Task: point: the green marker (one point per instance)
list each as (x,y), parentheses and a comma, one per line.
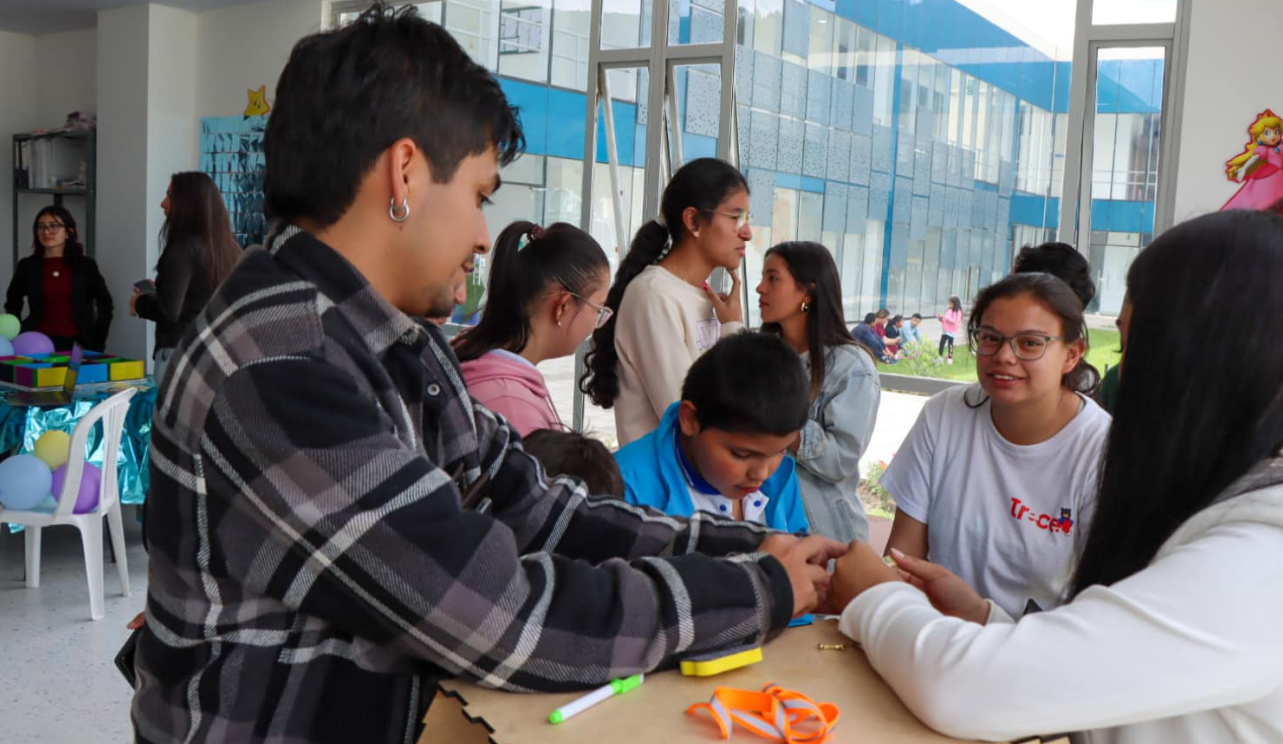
(617,687)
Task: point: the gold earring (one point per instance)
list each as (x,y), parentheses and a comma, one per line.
(804,306)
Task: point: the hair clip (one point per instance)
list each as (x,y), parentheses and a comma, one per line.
(535,233)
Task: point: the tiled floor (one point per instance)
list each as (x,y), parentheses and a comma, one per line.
(57,679)
(59,682)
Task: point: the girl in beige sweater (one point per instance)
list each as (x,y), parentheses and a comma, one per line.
(666,315)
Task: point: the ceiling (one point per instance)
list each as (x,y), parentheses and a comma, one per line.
(52,16)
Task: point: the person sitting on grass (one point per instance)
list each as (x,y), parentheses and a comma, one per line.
(869,338)
(723,448)
(910,334)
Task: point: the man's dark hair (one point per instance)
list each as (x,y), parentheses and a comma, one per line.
(749,383)
(884,313)
(346,95)
(579,456)
(915,316)
(1062,261)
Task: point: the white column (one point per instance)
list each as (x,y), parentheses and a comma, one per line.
(17,114)
(147,130)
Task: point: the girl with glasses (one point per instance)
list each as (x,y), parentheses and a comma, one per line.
(65,296)
(996,482)
(666,314)
(1172,631)
(546,293)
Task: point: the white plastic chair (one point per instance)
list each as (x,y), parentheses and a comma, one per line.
(112,413)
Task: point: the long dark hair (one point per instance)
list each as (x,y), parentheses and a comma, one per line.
(198,221)
(703,184)
(74,250)
(1189,422)
(956,304)
(1059,298)
(812,267)
(528,263)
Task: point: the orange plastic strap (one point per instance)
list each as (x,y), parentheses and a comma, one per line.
(774,713)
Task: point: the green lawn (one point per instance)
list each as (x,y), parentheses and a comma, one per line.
(1104,352)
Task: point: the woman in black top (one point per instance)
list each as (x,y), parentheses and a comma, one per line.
(66,297)
(197,253)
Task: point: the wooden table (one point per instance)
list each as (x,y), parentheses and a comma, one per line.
(655,713)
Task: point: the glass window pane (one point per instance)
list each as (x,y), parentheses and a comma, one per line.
(1122,187)
(524,39)
(1113,12)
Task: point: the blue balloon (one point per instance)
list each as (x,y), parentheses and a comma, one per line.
(6,348)
(25,481)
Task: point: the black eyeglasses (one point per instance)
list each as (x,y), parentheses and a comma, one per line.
(1029,347)
(49,227)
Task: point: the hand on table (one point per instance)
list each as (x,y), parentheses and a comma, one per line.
(855,572)
(806,560)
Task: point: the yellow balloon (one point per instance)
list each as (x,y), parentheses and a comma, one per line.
(54,448)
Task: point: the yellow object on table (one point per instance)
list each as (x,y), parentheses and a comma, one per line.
(464,713)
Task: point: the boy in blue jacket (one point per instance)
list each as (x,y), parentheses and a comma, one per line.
(723,448)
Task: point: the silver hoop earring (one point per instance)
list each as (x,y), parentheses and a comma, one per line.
(405,204)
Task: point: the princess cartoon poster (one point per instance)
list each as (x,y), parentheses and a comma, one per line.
(1259,167)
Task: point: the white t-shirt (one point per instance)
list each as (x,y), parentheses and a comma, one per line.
(1009,519)
(754,505)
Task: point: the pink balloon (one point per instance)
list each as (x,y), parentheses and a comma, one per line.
(32,342)
(90,485)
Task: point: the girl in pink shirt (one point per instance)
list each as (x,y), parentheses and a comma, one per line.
(949,323)
(547,292)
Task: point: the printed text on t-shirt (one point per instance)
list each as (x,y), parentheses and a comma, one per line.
(1064,523)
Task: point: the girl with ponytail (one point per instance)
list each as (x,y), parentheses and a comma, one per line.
(997,482)
(666,315)
(547,292)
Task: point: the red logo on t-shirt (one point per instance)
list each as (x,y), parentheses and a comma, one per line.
(1064,523)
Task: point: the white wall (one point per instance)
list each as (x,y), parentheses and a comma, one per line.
(172,126)
(1226,86)
(246,46)
(67,75)
(123,232)
(17,114)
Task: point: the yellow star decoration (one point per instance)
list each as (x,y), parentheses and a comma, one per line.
(258,105)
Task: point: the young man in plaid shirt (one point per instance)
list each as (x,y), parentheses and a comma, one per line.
(333,523)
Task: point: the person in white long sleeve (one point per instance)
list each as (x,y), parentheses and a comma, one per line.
(665,314)
(1172,631)
(800,297)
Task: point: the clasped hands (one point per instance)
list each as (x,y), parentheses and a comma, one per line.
(858,568)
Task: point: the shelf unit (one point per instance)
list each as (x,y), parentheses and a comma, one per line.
(83,145)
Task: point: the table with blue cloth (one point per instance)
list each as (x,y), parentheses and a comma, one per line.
(20,427)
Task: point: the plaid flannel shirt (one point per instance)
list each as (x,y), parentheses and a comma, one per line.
(312,569)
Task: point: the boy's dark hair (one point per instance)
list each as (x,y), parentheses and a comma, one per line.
(346,95)
(573,454)
(869,318)
(915,316)
(1060,260)
(750,383)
